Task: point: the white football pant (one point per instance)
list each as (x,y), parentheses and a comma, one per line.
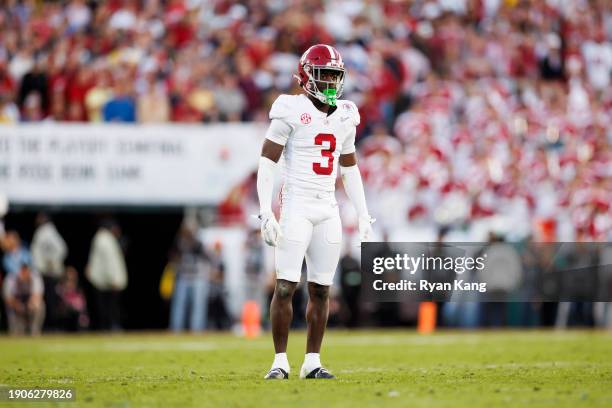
(311,228)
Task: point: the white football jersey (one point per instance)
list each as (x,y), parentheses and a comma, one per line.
(313,141)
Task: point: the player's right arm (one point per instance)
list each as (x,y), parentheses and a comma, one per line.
(276,137)
(270,154)
(272,150)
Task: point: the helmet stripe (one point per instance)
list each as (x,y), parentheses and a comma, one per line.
(331,52)
(306,53)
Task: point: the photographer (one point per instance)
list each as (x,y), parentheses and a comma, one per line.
(23,297)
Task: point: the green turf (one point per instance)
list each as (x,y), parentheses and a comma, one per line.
(374,368)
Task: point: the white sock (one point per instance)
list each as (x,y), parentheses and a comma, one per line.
(280,361)
(311,361)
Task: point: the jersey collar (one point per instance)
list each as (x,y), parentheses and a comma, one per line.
(315,109)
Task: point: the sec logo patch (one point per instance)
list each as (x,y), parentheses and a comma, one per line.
(305,118)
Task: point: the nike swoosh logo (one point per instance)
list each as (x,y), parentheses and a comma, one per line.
(344,119)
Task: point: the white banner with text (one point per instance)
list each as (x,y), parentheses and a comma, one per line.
(113,164)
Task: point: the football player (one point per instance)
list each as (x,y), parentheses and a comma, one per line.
(315,131)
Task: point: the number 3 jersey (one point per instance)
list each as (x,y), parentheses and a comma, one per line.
(313,141)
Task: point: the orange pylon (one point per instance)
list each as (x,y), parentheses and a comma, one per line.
(251,319)
(427,317)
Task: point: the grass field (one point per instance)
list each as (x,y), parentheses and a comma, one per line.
(374,368)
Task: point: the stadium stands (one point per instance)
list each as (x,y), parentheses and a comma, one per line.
(500,107)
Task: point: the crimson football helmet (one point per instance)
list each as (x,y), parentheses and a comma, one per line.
(321,73)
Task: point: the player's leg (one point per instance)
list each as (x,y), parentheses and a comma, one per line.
(289,256)
(316,317)
(281,313)
(317,311)
(322,260)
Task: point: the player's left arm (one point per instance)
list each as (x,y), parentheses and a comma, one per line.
(353,185)
(351,177)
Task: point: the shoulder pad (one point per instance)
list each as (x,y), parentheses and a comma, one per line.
(281,108)
(350,108)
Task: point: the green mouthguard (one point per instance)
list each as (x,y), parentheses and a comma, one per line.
(330,96)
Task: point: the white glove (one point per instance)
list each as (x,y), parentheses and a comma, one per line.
(270,229)
(365,228)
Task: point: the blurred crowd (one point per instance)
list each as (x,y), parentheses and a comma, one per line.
(471,109)
(37,288)
(477,115)
(195,60)
(506,118)
(41,292)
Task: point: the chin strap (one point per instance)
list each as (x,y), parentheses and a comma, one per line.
(298,79)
